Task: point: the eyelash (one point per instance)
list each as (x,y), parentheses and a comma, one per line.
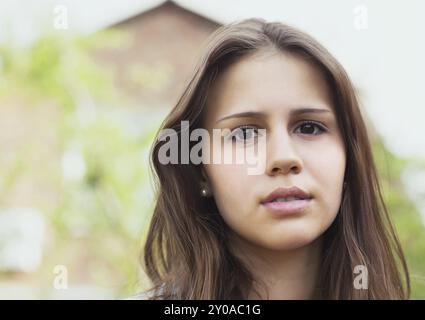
(318,125)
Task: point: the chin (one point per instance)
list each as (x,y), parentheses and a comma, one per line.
(291,240)
(291,245)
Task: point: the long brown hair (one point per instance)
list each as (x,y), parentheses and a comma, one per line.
(186,254)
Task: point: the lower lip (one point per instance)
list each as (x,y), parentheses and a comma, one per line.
(287,208)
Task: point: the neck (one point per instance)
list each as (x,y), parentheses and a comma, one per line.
(281,275)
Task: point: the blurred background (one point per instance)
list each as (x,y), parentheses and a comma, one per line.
(84,86)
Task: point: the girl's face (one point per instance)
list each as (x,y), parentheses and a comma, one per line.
(304,149)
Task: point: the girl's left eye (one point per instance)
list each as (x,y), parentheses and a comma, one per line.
(310,128)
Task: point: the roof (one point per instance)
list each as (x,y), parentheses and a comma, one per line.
(149,6)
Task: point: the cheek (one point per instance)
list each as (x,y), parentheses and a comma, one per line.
(228,183)
(327,168)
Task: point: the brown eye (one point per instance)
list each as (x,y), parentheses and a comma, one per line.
(311,128)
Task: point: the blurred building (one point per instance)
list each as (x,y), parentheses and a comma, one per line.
(164,44)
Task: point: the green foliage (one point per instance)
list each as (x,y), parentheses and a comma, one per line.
(406,218)
(100,214)
(55,67)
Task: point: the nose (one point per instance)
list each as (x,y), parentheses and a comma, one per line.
(282,156)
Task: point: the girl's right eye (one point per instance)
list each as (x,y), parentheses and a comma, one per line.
(244,133)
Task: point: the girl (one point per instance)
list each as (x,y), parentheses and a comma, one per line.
(312,224)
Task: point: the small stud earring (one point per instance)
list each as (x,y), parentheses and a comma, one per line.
(205,192)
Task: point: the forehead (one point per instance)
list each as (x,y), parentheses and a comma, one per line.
(271,82)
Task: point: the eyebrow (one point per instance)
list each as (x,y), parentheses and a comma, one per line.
(259,114)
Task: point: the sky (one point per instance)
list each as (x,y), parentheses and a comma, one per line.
(381,44)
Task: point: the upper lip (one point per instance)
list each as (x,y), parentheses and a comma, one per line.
(287,192)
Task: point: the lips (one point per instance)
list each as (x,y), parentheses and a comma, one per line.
(285,193)
(283,208)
